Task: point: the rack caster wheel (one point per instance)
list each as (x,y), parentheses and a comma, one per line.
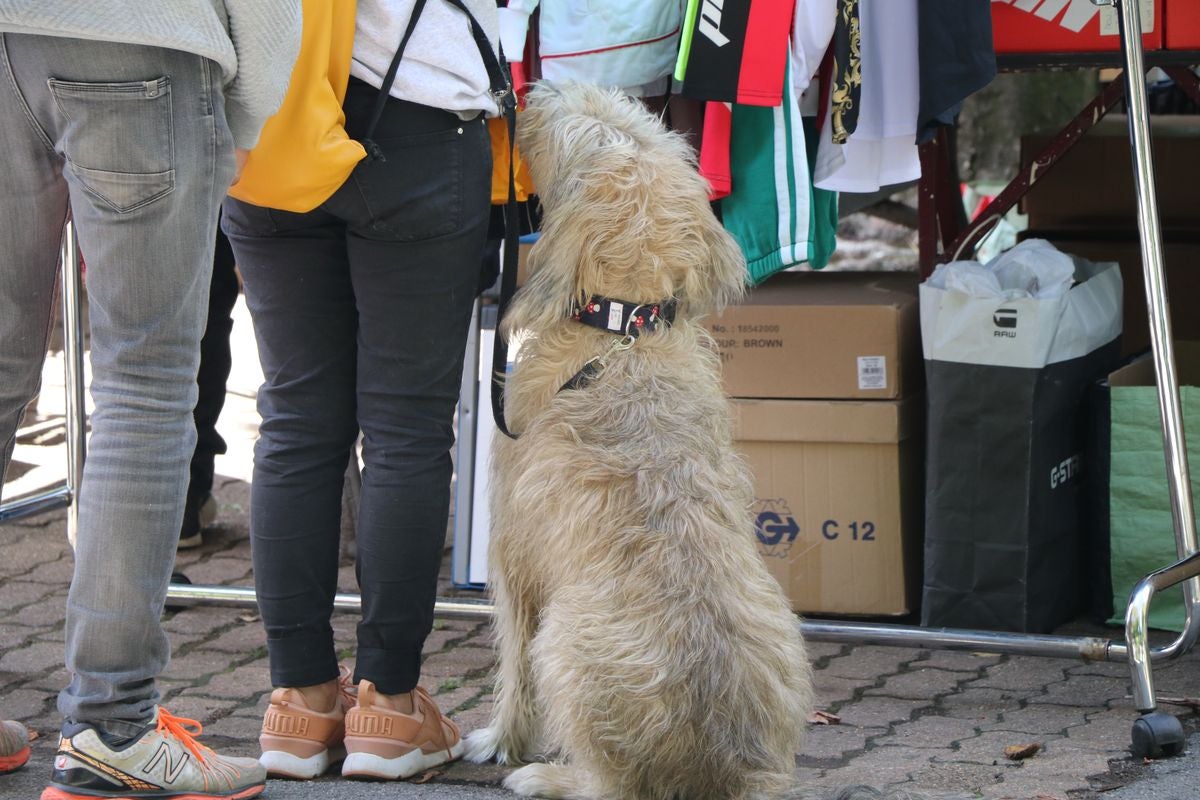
(177,577)
(1157,735)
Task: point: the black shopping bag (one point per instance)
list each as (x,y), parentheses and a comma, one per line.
(1005,497)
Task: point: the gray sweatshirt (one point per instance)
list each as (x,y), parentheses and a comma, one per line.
(441,66)
(253,41)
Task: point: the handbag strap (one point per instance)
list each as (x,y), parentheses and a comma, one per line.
(500,86)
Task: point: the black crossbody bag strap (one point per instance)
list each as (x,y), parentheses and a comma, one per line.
(368,143)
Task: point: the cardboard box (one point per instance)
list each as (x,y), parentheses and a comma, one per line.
(834,335)
(1182,263)
(1092,185)
(1182,19)
(1067,26)
(838,500)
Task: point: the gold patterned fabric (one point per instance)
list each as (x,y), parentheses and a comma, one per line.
(846,78)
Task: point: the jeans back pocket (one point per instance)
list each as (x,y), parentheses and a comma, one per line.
(118,138)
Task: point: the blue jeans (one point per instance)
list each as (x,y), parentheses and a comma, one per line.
(361,309)
(133,142)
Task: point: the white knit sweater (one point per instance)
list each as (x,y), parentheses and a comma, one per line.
(441,66)
(254,41)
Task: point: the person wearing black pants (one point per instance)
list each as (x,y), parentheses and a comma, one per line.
(216,361)
(361,309)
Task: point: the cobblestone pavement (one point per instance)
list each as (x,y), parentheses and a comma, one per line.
(930,722)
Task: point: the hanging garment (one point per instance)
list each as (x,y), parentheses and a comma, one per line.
(957,58)
(735,51)
(626,44)
(812,25)
(845,72)
(882,150)
(773,212)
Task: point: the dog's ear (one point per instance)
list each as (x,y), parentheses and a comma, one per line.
(719,277)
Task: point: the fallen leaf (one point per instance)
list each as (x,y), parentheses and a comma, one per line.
(1016,752)
(33,735)
(248,618)
(427,777)
(823,718)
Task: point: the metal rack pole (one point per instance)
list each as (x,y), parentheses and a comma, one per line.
(72,303)
(1163,347)
(76,422)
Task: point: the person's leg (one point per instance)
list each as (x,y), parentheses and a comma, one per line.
(415,266)
(414,260)
(298,291)
(147,158)
(33,210)
(216,361)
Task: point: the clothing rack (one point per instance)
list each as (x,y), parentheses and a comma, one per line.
(1154,733)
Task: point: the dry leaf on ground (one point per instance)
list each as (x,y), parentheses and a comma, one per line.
(823,718)
(1016,752)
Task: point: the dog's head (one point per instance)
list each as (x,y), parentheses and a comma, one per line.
(626,213)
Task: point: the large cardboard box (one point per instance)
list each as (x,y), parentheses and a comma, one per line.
(823,335)
(1091,187)
(1182,262)
(838,500)
(1065,26)
(1182,18)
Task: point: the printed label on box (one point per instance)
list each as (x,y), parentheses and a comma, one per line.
(1110,27)
(872,372)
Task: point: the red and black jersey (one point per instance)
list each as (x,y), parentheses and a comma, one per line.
(739,51)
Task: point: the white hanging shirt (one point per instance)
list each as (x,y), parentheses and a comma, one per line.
(882,151)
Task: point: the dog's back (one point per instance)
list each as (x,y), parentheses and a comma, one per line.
(667,659)
(637,625)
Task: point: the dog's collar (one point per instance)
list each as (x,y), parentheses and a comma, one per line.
(621,316)
(617,316)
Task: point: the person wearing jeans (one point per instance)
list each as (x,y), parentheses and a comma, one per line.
(135,141)
(361,307)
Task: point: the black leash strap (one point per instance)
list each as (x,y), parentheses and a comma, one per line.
(508,276)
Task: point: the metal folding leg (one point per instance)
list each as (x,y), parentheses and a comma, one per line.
(76,422)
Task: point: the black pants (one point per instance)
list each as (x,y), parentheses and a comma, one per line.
(215,363)
(361,309)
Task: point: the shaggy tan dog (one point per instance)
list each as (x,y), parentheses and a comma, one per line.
(642,644)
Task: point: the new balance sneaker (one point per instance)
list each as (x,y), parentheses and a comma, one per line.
(387,744)
(14,746)
(299,742)
(165,763)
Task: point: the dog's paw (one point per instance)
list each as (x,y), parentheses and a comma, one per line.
(487,744)
(543,780)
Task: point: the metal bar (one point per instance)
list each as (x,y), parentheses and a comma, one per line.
(72,296)
(1040,62)
(1136,629)
(1187,81)
(927,207)
(35,504)
(1174,443)
(185,594)
(1087,648)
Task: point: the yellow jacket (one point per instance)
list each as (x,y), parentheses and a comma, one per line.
(304,154)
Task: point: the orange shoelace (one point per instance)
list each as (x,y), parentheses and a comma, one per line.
(184,729)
